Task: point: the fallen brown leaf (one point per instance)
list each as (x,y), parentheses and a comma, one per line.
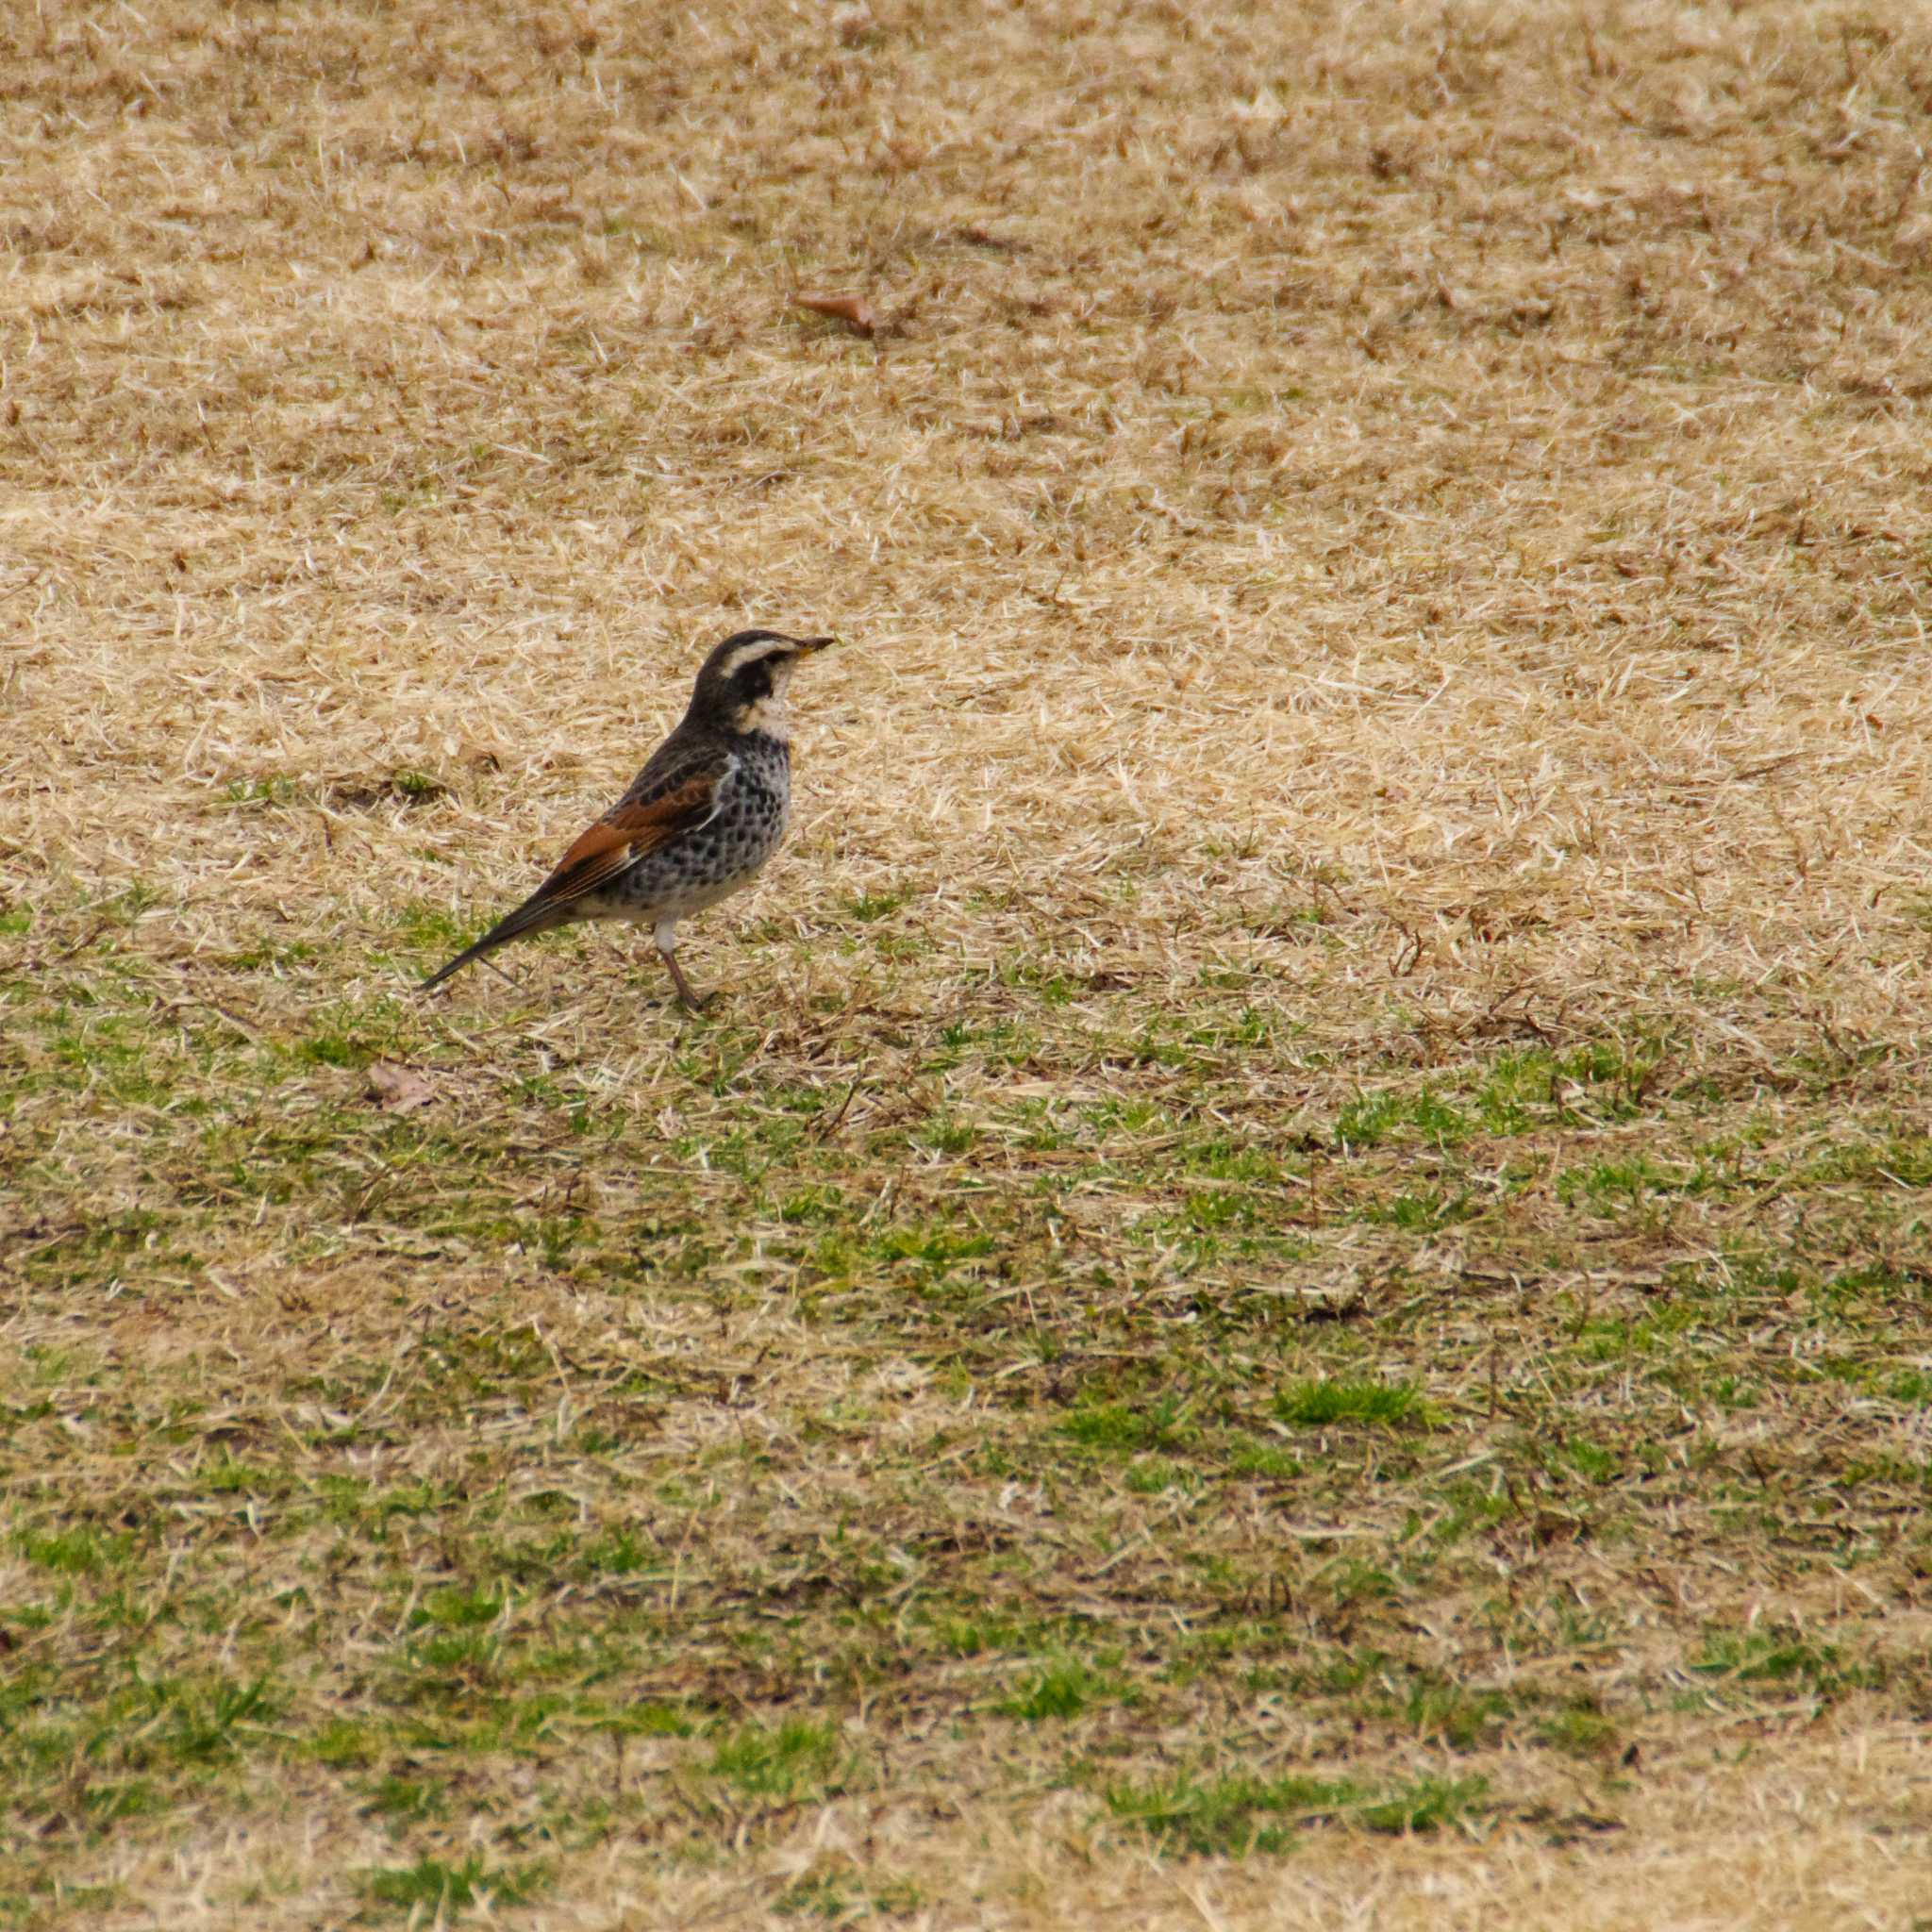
(855,311)
(398,1087)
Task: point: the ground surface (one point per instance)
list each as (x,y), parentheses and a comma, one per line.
(1291,1286)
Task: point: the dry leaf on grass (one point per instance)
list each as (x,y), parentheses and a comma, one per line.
(398,1087)
(855,311)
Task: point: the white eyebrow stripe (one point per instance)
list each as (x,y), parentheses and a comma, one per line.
(745,653)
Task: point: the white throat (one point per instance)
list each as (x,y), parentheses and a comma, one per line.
(768,715)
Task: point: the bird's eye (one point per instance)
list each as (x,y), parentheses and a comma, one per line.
(757,681)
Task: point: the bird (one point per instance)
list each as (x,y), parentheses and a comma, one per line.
(698,821)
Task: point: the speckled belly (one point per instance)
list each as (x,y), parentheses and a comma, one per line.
(714,862)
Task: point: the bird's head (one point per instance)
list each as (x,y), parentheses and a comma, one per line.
(742,685)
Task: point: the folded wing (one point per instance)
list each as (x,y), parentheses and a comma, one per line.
(650,817)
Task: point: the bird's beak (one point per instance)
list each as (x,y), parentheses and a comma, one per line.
(807,645)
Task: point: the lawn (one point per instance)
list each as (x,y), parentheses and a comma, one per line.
(1291,1286)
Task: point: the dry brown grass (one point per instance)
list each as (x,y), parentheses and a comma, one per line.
(1373,831)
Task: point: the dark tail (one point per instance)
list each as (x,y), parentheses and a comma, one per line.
(531,916)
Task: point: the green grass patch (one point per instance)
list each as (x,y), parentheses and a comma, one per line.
(1315,1405)
(779,1764)
(444,1888)
(1239,1816)
(1060,1693)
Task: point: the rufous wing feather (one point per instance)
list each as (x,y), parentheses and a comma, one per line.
(626,834)
(622,837)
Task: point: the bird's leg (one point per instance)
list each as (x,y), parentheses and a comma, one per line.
(694,1002)
(667,951)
